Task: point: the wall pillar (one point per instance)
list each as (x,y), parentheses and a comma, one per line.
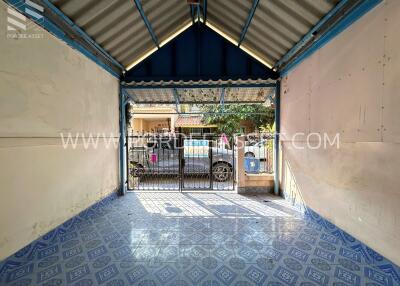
(239,162)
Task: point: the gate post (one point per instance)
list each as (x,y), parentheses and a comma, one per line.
(239,162)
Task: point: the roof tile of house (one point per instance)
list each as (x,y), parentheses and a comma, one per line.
(190,121)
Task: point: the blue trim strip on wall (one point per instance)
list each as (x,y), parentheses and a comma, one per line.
(343,24)
(60,34)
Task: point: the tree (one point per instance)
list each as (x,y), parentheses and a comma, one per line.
(229,119)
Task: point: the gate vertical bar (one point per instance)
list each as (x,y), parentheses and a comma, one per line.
(127,159)
(181,159)
(233,162)
(210,155)
(122,145)
(276,137)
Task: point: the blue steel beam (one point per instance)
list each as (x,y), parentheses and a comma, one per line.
(276,137)
(122,145)
(127,95)
(311,34)
(346,20)
(205,11)
(248,21)
(81,33)
(147,23)
(176,97)
(231,84)
(222,100)
(49,26)
(191,10)
(200,102)
(198,13)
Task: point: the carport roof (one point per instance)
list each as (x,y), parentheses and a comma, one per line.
(200,94)
(129,30)
(119,34)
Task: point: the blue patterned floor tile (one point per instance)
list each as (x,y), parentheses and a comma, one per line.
(195,274)
(225,275)
(122,241)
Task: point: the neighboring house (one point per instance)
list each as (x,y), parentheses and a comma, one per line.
(159,119)
(165,119)
(194,125)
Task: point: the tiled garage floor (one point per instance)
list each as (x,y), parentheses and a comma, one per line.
(196,239)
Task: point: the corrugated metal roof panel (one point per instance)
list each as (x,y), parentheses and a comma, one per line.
(118,27)
(254,94)
(162,95)
(278,25)
(201,95)
(166,17)
(179,83)
(229,16)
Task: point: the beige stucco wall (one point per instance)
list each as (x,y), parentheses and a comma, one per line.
(47,88)
(350,87)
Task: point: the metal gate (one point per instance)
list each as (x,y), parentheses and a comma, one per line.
(179,162)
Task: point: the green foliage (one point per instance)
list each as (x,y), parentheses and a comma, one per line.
(229,123)
(268,128)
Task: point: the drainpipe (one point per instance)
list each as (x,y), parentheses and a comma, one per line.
(276,137)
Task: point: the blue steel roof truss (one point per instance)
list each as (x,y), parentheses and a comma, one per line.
(204,8)
(248,21)
(107,62)
(82,33)
(176,97)
(147,23)
(336,20)
(222,99)
(177,100)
